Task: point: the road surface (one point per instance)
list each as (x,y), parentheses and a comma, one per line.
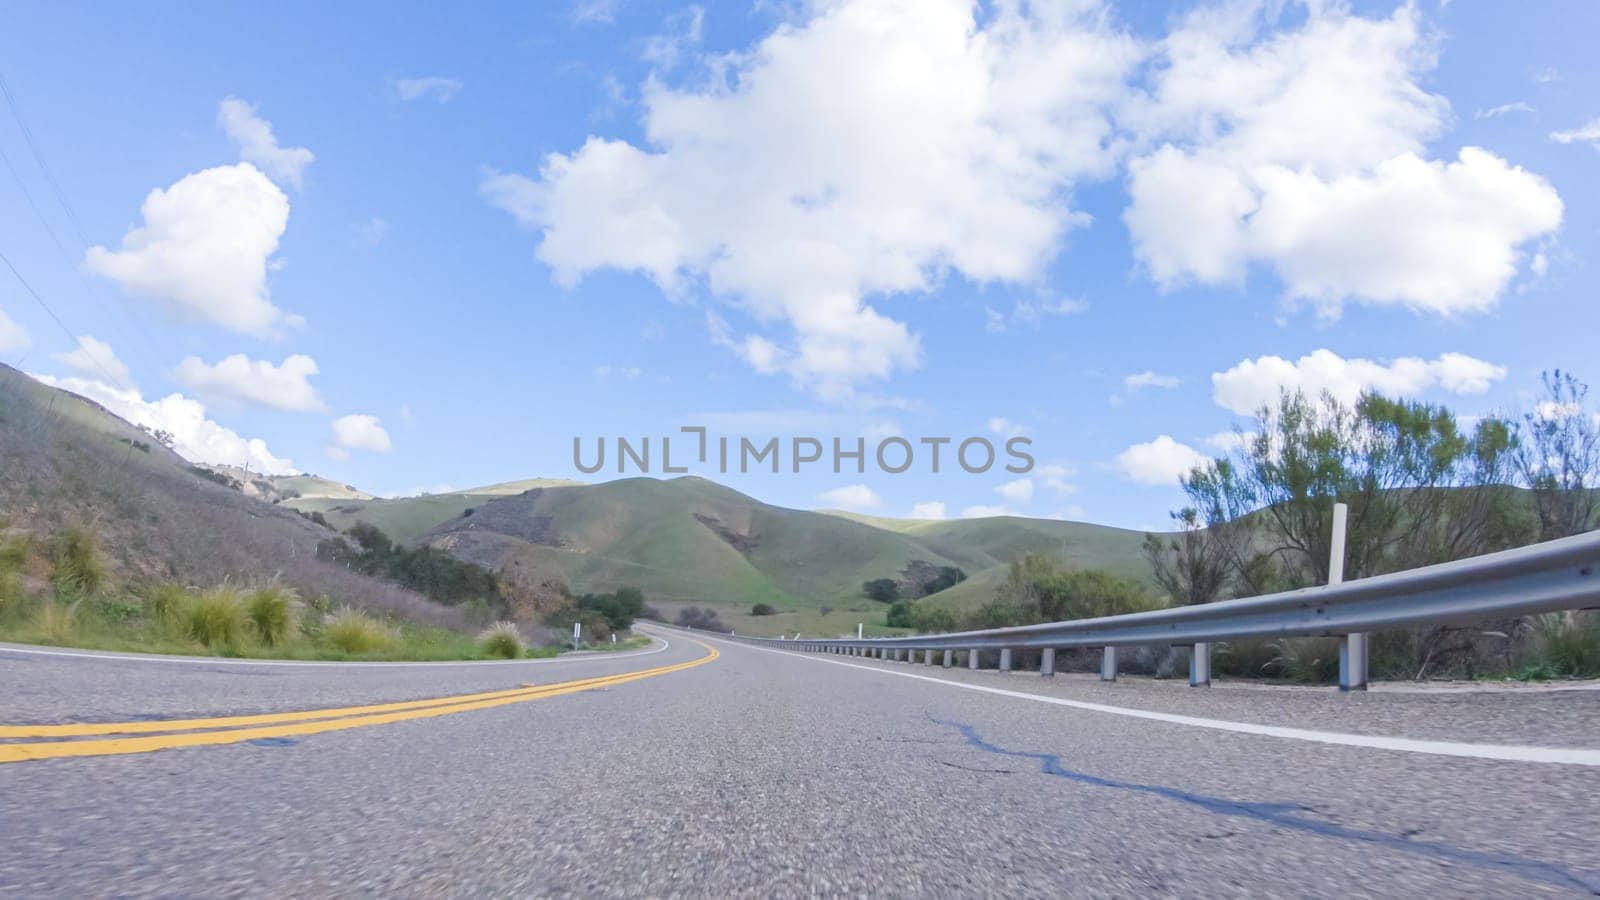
(719,769)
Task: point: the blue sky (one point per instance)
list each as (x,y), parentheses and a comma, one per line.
(490,233)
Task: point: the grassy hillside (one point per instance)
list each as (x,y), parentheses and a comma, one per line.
(407,518)
(70,463)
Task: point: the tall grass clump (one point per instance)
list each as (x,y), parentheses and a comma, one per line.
(56,622)
(353,631)
(1568,644)
(1310,659)
(217,618)
(165,605)
(274,613)
(77,565)
(502,639)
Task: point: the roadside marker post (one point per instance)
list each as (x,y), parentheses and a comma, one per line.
(1353,649)
(576,626)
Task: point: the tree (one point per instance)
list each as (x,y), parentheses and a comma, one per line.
(1559,457)
(883,590)
(948,576)
(900,614)
(1192,567)
(763,609)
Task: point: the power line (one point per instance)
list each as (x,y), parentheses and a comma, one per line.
(111,379)
(27,135)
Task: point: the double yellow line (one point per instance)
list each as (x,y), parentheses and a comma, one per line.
(172,733)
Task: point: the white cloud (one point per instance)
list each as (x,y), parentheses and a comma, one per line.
(95,359)
(432,87)
(1019,491)
(1503,110)
(629,372)
(13,336)
(1159,462)
(257,144)
(1588,134)
(982,511)
(373,231)
(1142,380)
(1005,427)
(203,249)
(195,437)
(1054,476)
(1030,313)
(600,11)
(928,509)
(681,32)
(1258,382)
(1224,442)
(1071,512)
(241,381)
(358,431)
(955,154)
(1303,150)
(855,497)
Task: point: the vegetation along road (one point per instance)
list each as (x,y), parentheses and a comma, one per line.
(702,766)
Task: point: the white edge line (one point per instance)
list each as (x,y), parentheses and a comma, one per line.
(1508,752)
(324,663)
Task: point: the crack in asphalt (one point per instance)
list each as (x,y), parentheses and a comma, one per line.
(1291,816)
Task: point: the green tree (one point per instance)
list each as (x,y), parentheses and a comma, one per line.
(883,590)
(1559,458)
(900,614)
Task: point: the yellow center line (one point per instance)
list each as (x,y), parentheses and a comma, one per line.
(114,746)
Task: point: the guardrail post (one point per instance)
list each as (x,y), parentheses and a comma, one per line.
(949,658)
(973,658)
(1047,662)
(1005,659)
(1200,665)
(899,654)
(1108,664)
(1353,648)
(927,657)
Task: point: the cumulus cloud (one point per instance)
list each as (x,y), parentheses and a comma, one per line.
(1054,476)
(13,336)
(1147,379)
(955,153)
(1588,134)
(1159,462)
(195,436)
(358,431)
(984,511)
(1019,491)
(854,497)
(258,145)
(431,87)
(1005,427)
(203,249)
(1303,150)
(1258,382)
(928,509)
(241,381)
(95,359)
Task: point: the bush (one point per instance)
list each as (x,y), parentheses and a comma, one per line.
(56,622)
(1310,659)
(931,620)
(353,631)
(1568,644)
(502,639)
(883,590)
(763,609)
(900,614)
(703,619)
(618,609)
(1248,658)
(78,567)
(217,618)
(274,611)
(166,603)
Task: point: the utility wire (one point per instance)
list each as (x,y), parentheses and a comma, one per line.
(111,379)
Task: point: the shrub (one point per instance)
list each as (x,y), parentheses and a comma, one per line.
(900,614)
(1568,644)
(56,622)
(1310,659)
(1248,658)
(618,609)
(274,612)
(932,619)
(165,604)
(502,639)
(217,618)
(353,631)
(703,619)
(763,609)
(78,567)
(883,590)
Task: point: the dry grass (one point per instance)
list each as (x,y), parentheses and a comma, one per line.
(274,613)
(353,631)
(502,639)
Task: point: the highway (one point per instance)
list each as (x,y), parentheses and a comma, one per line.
(706,767)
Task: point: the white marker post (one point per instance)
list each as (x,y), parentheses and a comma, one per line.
(860,627)
(576,626)
(1353,649)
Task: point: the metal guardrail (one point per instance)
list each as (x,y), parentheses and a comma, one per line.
(1555,575)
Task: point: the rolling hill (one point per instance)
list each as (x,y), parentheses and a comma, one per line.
(69,462)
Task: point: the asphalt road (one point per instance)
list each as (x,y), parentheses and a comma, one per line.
(763,773)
